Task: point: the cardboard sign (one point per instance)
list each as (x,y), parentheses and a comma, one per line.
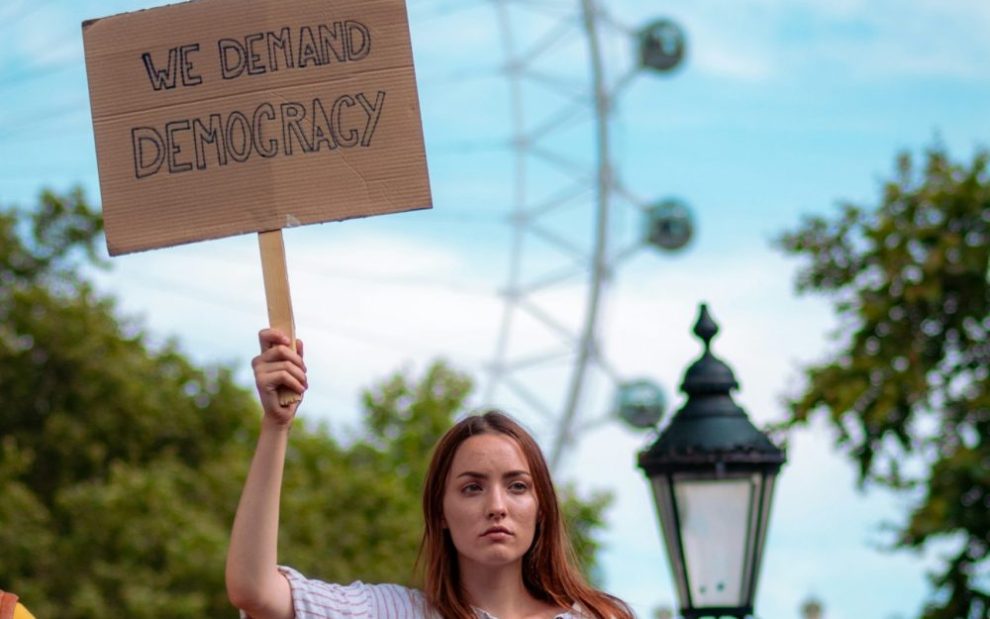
(221,117)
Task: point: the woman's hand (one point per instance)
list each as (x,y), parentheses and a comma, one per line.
(278,366)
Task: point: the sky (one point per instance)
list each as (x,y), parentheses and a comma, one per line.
(780,110)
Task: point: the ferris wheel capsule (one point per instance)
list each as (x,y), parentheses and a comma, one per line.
(669,224)
(661,45)
(640,403)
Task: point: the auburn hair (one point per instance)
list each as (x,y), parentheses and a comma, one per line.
(549,572)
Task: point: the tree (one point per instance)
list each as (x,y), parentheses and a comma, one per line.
(121,463)
(118,462)
(907,387)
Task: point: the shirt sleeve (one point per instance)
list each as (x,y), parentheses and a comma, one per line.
(315,599)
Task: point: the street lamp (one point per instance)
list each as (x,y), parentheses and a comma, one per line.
(712,474)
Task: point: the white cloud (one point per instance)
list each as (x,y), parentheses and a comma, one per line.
(46,36)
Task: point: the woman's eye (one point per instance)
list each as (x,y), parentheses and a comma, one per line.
(519,486)
(471,488)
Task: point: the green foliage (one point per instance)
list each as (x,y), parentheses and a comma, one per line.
(907,390)
(109,506)
(584,517)
(376,482)
(121,463)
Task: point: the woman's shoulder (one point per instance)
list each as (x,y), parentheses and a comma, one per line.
(316,599)
(580,611)
(576,611)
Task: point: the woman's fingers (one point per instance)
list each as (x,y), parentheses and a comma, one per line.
(273,380)
(272,337)
(270,370)
(279,349)
(279,357)
(272,373)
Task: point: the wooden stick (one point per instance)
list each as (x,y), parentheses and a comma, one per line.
(277,296)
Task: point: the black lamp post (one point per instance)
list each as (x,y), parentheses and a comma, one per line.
(712,474)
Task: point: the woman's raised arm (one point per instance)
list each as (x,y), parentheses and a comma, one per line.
(254,583)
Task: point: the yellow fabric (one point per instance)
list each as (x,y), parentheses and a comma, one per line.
(22,613)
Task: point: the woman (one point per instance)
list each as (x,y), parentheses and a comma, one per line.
(494,544)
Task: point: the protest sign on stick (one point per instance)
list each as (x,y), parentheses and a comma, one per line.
(221,117)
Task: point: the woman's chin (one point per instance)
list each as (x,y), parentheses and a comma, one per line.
(493,558)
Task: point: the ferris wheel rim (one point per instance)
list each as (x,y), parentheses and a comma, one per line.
(586,344)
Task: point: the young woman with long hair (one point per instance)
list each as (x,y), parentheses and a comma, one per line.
(494,544)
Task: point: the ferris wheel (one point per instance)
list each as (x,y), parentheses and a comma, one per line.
(567,63)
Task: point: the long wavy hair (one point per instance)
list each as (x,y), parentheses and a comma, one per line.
(549,570)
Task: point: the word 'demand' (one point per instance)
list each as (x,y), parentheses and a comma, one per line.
(262,52)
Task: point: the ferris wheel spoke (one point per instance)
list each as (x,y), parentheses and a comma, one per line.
(623,82)
(559,242)
(553,279)
(538,360)
(620,189)
(565,115)
(529,397)
(626,253)
(456,148)
(576,190)
(595,423)
(577,170)
(604,365)
(544,7)
(550,39)
(548,321)
(461,75)
(609,20)
(445,9)
(559,85)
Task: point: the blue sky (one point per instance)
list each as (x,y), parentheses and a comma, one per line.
(781,109)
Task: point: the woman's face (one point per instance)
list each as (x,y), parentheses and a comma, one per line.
(489,504)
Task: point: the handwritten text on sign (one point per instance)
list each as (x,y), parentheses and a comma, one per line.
(220,117)
(270,129)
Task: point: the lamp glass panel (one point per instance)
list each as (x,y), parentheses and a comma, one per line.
(714,514)
(668,525)
(760,524)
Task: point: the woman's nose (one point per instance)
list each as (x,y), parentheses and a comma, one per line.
(496,504)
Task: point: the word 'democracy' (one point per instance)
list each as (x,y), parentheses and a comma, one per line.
(271,128)
(269,111)
(267,131)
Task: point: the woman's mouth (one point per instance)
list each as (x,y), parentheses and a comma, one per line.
(497,533)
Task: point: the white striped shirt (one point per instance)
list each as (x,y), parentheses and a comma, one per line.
(315,599)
